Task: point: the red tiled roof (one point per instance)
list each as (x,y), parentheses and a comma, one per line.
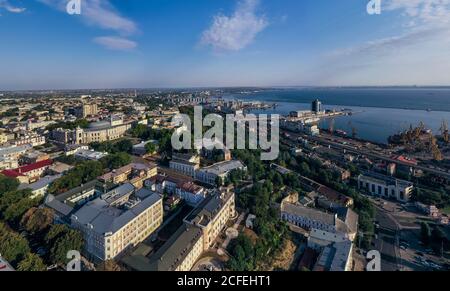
(11,173)
(31,167)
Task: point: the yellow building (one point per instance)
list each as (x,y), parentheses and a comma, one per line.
(119,220)
(200,229)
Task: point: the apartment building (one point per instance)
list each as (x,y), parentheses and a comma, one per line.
(220,170)
(199,230)
(86,110)
(39,188)
(14,152)
(344,220)
(185,164)
(29,173)
(385,186)
(191,193)
(33,140)
(136,173)
(212,214)
(117,221)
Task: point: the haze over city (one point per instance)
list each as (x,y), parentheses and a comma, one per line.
(123,44)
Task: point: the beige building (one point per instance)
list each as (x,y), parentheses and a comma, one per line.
(135,173)
(3,138)
(86,110)
(200,229)
(119,220)
(212,215)
(185,164)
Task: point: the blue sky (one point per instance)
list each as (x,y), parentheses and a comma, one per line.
(195,43)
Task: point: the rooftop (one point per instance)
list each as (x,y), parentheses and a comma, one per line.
(223,167)
(44,182)
(311,213)
(170,255)
(103,219)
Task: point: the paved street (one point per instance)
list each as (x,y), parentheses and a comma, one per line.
(387,242)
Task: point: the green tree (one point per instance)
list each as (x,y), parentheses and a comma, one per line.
(13,247)
(116,161)
(15,211)
(67,241)
(32,263)
(36,220)
(150,148)
(7,184)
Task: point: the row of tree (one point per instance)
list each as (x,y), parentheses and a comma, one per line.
(19,213)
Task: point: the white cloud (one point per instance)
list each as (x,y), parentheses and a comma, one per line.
(11,8)
(422,12)
(116,43)
(235,32)
(99,13)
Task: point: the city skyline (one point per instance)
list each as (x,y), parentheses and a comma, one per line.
(239,43)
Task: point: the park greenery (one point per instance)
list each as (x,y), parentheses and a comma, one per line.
(435,237)
(82,123)
(271,231)
(23,225)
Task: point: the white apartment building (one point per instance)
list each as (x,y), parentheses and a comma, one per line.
(210,174)
(118,221)
(33,140)
(191,193)
(185,164)
(385,186)
(13,152)
(213,214)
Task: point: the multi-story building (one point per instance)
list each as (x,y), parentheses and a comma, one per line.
(102,131)
(7,163)
(344,220)
(29,173)
(212,214)
(3,138)
(14,152)
(199,230)
(179,253)
(220,170)
(39,188)
(191,193)
(86,110)
(89,155)
(385,186)
(33,140)
(117,221)
(34,157)
(185,164)
(136,173)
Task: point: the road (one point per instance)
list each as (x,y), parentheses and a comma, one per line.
(387,242)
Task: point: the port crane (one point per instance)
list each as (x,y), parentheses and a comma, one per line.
(444,131)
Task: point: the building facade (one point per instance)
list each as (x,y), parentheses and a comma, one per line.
(385,186)
(112,224)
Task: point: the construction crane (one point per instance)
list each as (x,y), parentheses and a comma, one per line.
(444,131)
(434,148)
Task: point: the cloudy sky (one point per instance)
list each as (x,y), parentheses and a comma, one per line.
(195,43)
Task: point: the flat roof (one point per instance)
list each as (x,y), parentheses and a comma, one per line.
(310,213)
(170,255)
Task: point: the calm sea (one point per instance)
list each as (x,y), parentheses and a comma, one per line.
(379,113)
